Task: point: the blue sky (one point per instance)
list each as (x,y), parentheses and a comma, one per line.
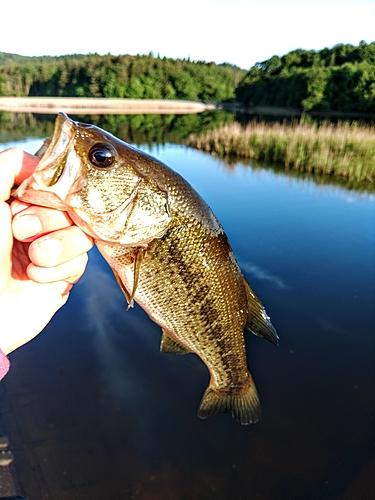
(240,32)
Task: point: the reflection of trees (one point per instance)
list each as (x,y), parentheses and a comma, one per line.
(160,129)
(233,163)
(135,129)
(24,125)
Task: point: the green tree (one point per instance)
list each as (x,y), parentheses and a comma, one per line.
(340,78)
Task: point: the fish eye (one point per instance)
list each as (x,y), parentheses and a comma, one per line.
(101,155)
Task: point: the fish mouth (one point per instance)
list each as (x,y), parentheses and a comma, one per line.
(53,161)
(57,173)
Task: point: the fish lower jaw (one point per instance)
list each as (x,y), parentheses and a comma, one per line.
(31,194)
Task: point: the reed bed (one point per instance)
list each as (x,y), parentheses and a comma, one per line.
(346,150)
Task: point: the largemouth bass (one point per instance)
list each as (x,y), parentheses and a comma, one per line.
(166,248)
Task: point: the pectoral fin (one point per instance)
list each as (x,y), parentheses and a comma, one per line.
(169,345)
(141,252)
(258,322)
(121,285)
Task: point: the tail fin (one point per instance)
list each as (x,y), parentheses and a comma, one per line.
(244,405)
(258,322)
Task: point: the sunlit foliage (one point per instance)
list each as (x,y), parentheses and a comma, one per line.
(341,79)
(137,77)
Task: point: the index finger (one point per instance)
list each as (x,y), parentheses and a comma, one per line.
(15,166)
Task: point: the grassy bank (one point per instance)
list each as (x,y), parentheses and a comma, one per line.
(327,149)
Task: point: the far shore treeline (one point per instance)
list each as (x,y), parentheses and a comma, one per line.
(341,78)
(125,76)
(338,79)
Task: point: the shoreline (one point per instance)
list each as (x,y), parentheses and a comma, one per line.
(106,105)
(101,105)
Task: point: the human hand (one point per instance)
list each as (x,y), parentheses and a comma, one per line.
(42,254)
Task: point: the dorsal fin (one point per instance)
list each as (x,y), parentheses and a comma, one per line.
(258,322)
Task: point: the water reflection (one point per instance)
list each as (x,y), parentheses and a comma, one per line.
(136,129)
(148,130)
(262,274)
(98,412)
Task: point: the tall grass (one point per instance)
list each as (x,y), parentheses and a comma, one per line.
(330,149)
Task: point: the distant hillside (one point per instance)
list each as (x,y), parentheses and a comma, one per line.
(6,58)
(341,78)
(137,77)
(9,58)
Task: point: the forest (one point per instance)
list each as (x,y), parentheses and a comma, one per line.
(136,77)
(341,78)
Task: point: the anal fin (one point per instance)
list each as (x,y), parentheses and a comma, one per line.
(258,322)
(169,345)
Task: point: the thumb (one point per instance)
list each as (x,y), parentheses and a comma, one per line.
(6,243)
(15,166)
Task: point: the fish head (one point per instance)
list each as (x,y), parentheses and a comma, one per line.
(106,186)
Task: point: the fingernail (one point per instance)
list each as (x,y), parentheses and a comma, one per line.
(26,226)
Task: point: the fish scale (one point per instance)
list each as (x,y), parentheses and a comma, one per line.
(200,316)
(167,250)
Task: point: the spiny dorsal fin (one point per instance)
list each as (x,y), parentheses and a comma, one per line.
(168,345)
(258,322)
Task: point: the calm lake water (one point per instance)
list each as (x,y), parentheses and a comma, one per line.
(94,410)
